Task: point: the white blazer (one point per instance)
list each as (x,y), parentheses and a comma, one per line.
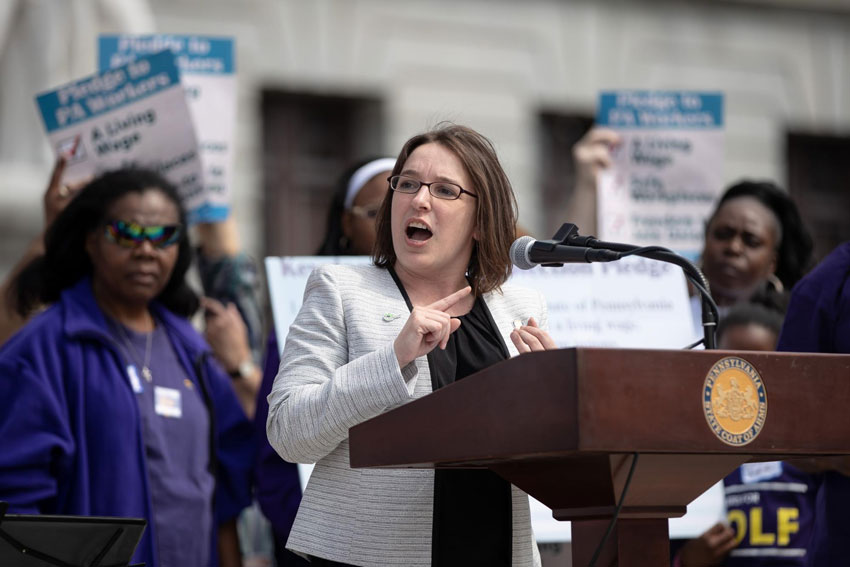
(338,369)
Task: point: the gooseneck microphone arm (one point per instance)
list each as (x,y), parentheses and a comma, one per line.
(568,235)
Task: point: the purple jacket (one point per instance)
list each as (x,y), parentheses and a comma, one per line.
(69,422)
(818,320)
(277,481)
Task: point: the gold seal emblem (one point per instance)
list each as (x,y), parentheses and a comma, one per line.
(734,401)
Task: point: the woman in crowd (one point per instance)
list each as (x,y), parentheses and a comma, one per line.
(755,244)
(819,321)
(351,216)
(350,231)
(366,340)
(755,240)
(110,402)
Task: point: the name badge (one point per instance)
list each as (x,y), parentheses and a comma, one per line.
(166,402)
(133,376)
(757,472)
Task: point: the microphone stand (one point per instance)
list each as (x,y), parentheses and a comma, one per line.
(568,235)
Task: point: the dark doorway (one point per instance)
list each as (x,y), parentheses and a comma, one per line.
(558,132)
(308,141)
(819,181)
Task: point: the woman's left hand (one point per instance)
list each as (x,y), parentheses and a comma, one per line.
(530,338)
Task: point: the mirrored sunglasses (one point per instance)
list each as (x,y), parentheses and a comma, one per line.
(130,234)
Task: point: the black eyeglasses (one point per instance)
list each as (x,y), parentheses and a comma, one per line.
(439,189)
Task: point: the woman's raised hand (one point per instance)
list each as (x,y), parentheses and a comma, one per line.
(530,337)
(427,327)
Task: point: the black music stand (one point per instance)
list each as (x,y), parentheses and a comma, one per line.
(67,541)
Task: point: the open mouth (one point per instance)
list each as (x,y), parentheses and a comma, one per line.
(418,231)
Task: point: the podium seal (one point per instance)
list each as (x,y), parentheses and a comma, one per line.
(734,401)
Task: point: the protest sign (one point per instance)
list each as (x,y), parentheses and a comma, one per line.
(207,71)
(135,114)
(633,303)
(667,170)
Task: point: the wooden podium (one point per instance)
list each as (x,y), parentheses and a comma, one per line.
(563,426)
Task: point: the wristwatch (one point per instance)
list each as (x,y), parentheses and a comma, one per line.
(244,370)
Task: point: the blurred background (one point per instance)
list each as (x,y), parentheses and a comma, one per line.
(325,82)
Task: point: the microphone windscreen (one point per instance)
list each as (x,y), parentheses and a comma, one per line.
(519,252)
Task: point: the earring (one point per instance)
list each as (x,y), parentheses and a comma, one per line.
(776,282)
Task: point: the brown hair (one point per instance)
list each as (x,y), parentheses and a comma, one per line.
(496,211)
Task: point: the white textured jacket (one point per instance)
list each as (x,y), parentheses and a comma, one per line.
(338,369)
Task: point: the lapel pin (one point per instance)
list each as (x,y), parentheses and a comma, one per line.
(390,317)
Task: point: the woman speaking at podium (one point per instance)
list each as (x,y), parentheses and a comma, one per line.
(431,310)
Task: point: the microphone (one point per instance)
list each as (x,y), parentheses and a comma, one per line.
(527,253)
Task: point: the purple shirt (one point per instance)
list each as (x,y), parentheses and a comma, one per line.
(175,429)
(278,488)
(818,320)
(771,508)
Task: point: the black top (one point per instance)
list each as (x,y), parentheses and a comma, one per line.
(472,507)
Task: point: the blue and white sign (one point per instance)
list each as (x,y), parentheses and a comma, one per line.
(207,71)
(667,170)
(135,114)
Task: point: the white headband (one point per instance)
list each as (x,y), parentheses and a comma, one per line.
(362,176)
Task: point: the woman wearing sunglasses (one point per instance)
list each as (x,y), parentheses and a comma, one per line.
(110,402)
(431,310)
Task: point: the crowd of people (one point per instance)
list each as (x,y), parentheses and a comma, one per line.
(113,404)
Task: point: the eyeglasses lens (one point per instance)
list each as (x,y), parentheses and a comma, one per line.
(440,190)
